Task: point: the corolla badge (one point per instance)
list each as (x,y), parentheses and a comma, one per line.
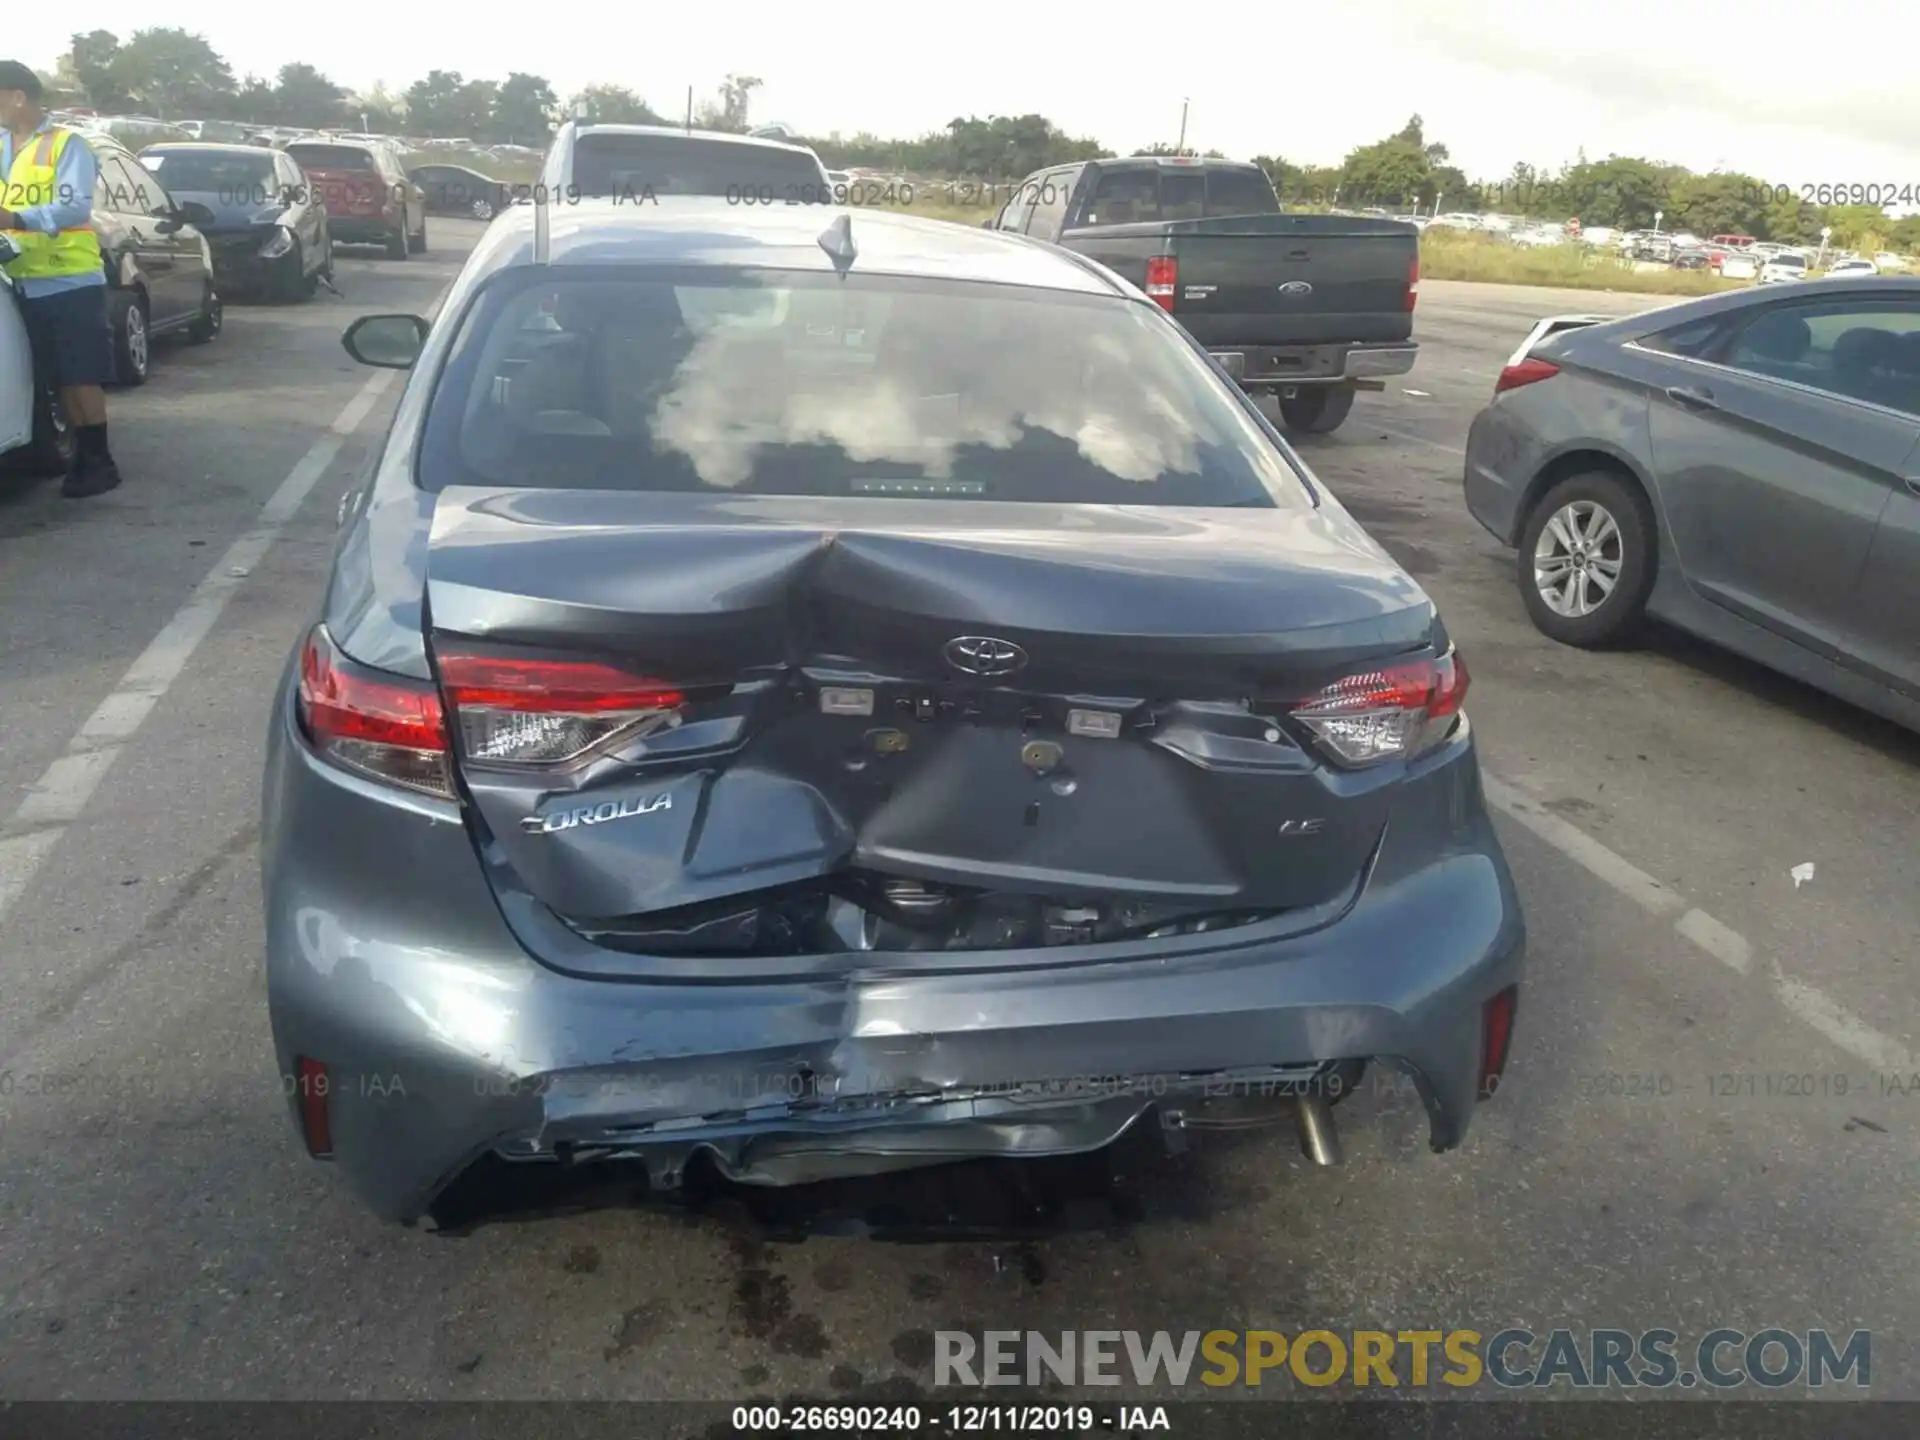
(984,655)
(1296,287)
(595,814)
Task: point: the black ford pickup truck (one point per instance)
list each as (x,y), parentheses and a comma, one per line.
(1310,308)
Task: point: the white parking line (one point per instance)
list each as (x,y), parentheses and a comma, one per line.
(57,799)
(1806,1003)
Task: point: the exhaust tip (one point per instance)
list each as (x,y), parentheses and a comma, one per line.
(1319,1140)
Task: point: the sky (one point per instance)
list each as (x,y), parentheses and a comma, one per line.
(1795,94)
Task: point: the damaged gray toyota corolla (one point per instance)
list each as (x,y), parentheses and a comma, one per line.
(809,706)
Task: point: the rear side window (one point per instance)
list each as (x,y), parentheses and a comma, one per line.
(1050,204)
(798,383)
(334,157)
(1857,349)
(1691,340)
(1122,197)
(640,165)
(1240,192)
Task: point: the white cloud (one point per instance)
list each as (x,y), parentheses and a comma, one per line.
(1793,93)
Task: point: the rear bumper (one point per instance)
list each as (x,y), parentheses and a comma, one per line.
(362,229)
(389,961)
(241,266)
(1265,366)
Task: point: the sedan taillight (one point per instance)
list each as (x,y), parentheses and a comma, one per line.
(1524,372)
(545,712)
(384,727)
(1394,713)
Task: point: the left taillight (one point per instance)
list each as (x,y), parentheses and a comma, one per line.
(1163,278)
(381,726)
(1413,282)
(1394,713)
(528,711)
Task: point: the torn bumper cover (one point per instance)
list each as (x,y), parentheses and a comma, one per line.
(446,1043)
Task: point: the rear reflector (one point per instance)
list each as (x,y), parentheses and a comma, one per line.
(1388,714)
(1163,274)
(381,726)
(517,711)
(1496,1038)
(311,1084)
(1524,372)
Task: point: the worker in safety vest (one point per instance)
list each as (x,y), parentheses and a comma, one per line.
(46,210)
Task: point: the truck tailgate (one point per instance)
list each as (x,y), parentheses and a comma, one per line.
(1294,279)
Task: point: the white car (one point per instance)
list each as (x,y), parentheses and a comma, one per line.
(34,435)
(1887,260)
(1851,269)
(1735,266)
(1783,269)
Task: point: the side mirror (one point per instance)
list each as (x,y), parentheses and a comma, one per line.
(193,213)
(391,342)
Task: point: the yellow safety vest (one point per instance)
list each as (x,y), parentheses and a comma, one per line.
(32,181)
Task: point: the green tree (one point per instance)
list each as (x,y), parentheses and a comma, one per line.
(615,105)
(254,101)
(433,103)
(94,58)
(1905,234)
(1620,192)
(1722,203)
(523,110)
(473,108)
(173,74)
(303,96)
(1388,172)
(736,91)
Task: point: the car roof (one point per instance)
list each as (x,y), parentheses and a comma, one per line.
(583,128)
(1667,317)
(208,146)
(696,230)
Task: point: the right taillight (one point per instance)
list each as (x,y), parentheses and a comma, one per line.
(1525,372)
(1394,713)
(537,711)
(381,726)
(1163,274)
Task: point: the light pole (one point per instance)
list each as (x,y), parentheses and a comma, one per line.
(1181,143)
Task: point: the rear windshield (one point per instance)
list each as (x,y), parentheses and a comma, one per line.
(638,165)
(1134,193)
(332,157)
(788,383)
(230,176)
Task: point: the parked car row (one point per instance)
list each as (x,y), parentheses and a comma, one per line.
(183,225)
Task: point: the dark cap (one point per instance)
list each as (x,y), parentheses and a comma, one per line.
(15,76)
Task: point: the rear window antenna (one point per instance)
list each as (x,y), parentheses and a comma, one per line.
(837,241)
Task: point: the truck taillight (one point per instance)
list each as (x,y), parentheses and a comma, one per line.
(1163,273)
(1413,283)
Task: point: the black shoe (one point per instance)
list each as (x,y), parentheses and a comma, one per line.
(91,478)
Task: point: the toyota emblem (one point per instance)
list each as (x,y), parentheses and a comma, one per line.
(984,655)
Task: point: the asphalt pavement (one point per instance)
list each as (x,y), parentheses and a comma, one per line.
(1710,1119)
